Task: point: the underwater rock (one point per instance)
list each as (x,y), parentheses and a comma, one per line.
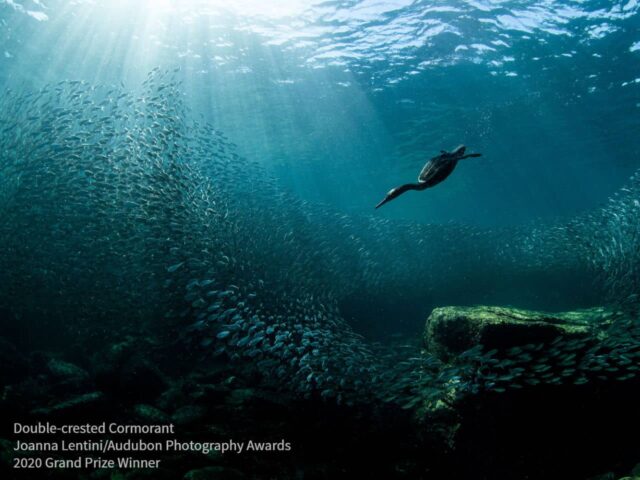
(213,394)
(217,473)
(253,397)
(452,330)
(187,391)
(215,371)
(189,414)
(171,398)
(66,373)
(441,421)
(30,392)
(75,405)
(142,379)
(124,368)
(242,396)
(149,414)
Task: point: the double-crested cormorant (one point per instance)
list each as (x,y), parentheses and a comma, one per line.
(434,172)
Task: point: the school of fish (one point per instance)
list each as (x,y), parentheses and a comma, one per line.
(118,207)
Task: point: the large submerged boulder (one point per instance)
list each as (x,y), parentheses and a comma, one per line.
(555,382)
(450,331)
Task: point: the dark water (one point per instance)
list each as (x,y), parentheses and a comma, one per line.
(188,232)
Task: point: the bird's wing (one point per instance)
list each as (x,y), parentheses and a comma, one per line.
(428,170)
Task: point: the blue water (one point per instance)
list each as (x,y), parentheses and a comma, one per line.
(343,100)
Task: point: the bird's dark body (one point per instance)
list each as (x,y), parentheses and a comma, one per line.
(435,171)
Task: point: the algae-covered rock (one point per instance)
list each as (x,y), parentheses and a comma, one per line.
(452,330)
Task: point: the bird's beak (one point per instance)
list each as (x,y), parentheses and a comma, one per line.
(384,200)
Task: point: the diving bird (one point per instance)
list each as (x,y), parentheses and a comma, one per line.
(434,172)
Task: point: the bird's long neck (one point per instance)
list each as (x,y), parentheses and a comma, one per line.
(412,186)
(396,192)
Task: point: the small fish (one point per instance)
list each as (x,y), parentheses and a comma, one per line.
(175,267)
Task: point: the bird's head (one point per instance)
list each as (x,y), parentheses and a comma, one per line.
(459,151)
(393,193)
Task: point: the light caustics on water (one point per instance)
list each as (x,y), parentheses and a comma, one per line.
(122,202)
(362,92)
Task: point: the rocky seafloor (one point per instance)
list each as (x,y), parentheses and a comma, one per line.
(535,431)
